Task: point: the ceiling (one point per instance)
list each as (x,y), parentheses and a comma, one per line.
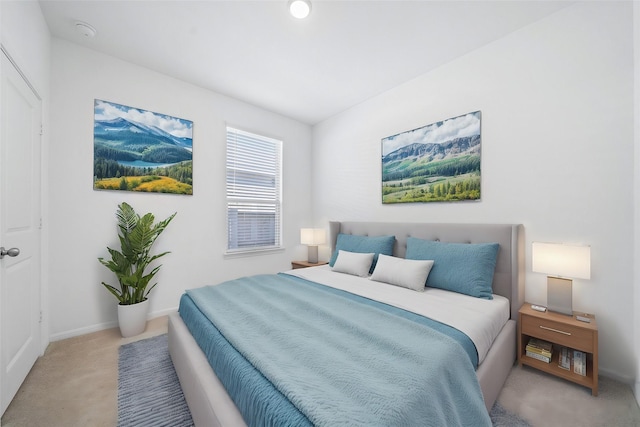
(344,53)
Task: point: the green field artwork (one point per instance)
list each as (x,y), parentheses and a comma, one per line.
(138,150)
(439,162)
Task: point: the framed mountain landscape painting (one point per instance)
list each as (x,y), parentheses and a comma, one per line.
(139,150)
(439,162)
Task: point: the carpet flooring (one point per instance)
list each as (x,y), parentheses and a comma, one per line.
(547,401)
(75,384)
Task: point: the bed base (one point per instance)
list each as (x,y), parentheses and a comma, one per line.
(208,401)
(210,405)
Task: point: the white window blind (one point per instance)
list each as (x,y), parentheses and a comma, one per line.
(253,191)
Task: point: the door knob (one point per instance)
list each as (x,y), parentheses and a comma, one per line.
(11,252)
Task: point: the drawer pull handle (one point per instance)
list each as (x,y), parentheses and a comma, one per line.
(555,330)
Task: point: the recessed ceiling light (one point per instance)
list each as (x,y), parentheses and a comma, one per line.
(85,29)
(300,8)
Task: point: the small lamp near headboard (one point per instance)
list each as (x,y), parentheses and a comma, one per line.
(312,237)
(561,263)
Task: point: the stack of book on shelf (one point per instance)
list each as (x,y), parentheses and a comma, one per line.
(576,358)
(539,349)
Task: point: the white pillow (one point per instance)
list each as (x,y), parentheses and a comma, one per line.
(408,273)
(354,263)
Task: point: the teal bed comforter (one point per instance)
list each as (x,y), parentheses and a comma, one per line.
(292,352)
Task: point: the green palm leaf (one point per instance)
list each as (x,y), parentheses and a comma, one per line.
(137,235)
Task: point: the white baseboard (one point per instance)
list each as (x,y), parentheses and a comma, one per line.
(82,331)
(633,384)
(161,313)
(102,326)
(616,376)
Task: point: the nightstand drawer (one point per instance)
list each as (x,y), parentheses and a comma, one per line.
(569,335)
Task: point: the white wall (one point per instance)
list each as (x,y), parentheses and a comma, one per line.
(557,142)
(83,223)
(25,35)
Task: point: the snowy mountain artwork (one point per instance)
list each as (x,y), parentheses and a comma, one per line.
(139,150)
(439,162)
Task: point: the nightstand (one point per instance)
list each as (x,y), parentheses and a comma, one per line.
(561,330)
(305,264)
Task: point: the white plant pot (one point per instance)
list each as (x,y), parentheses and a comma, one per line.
(132,318)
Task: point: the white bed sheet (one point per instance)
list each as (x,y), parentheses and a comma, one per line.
(480,319)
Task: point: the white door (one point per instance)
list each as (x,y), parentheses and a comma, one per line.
(20,130)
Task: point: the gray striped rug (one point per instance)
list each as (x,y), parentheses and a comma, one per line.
(500,417)
(149,393)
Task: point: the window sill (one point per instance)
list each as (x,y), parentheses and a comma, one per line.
(251,252)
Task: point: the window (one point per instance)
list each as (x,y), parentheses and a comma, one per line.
(253,191)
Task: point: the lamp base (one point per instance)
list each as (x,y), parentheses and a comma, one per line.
(559,295)
(312,256)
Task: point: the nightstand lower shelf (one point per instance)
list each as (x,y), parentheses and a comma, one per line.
(553,368)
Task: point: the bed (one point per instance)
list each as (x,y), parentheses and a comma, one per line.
(210,402)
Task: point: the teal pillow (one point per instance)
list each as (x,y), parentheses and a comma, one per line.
(365,245)
(466,268)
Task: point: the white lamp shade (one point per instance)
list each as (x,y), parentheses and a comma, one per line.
(312,236)
(561,260)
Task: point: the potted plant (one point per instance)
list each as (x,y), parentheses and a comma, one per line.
(137,235)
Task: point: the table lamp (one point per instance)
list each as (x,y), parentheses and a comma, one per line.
(561,263)
(312,237)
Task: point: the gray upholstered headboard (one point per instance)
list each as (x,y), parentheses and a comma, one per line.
(508,279)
